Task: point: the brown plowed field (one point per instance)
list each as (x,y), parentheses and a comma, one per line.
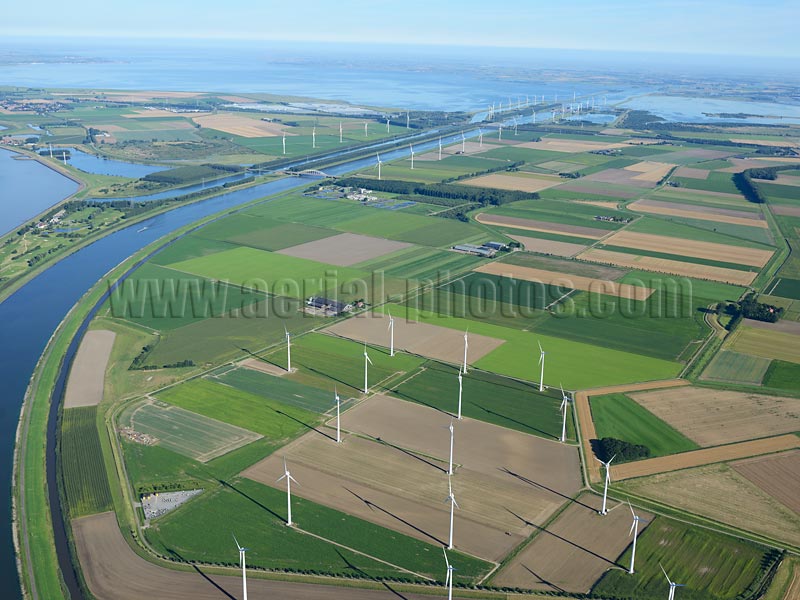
(114,572)
(520,183)
(706,456)
(424,339)
(256,364)
(704,213)
(396,476)
(575,550)
(712,417)
(778,475)
(345,249)
(548,246)
(546,226)
(753,257)
(576,282)
(691,173)
(665,265)
(87,376)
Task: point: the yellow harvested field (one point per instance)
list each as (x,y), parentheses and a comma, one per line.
(787,180)
(240,125)
(650,171)
(720,493)
(148,113)
(674,209)
(432,341)
(692,173)
(754,257)
(774,143)
(393,473)
(673,267)
(518,182)
(706,456)
(778,475)
(87,375)
(566,280)
(600,203)
(256,364)
(767,344)
(543,246)
(573,552)
(571,146)
(711,417)
(544,226)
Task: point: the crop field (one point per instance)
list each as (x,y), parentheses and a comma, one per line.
(87,374)
(478,294)
(777,475)
(84,474)
(280,389)
(186,432)
(617,416)
(735,367)
(711,565)
(261,232)
(518,181)
(544,246)
(345,249)
(782,375)
(421,264)
(766,343)
(488,397)
(692,211)
(544,226)
(709,490)
(558,211)
(711,417)
(574,551)
(393,473)
(240,124)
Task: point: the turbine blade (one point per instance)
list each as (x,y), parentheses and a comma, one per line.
(633,525)
(456,503)
(445,558)
(281,478)
(665,573)
(540,346)
(631,507)
(237,541)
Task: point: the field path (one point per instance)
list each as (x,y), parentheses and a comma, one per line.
(705,456)
(584,413)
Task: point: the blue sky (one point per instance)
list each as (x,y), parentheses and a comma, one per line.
(727,27)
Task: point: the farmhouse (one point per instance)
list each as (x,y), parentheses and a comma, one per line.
(329,308)
(483,251)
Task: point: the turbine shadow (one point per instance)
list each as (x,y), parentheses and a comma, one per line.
(400,394)
(544,487)
(411,454)
(543,580)
(253,500)
(520,423)
(372,505)
(304,424)
(328,376)
(363,573)
(563,539)
(197,569)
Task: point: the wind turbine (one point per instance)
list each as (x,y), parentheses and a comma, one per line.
(387,124)
(451,498)
(466,347)
(366,130)
(391,335)
(440,148)
(379,165)
(338,420)
(515,125)
(452,436)
(314,137)
(284,142)
(242,552)
(289,479)
(340,132)
(288,349)
(635,531)
(672,584)
(463,143)
(410,147)
(448,582)
(541,364)
(460,390)
(408,122)
(367,362)
(480,138)
(500,133)
(607,465)
(564,405)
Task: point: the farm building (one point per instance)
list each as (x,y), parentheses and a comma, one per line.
(330,308)
(483,251)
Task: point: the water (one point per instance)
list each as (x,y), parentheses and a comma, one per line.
(592,118)
(28,187)
(89,163)
(188,189)
(680,108)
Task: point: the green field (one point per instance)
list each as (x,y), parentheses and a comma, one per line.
(261,232)
(153,467)
(679,230)
(256,514)
(734,367)
(179,430)
(421,264)
(487,397)
(558,211)
(84,474)
(617,416)
(788,288)
(712,566)
(281,389)
(783,375)
(715,182)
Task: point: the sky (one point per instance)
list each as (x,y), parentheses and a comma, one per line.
(725,27)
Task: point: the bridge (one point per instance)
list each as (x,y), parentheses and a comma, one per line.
(309,173)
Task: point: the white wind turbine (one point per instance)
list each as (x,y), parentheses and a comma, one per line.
(500,133)
(635,531)
(391,335)
(379,165)
(452,437)
(340,132)
(480,138)
(288,349)
(541,364)
(284,142)
(440,148)
(466,347)
(534,116)
(338,420)
(367,362)
(242,552)
(366,128)
(387,124)
(289,479)
(564,406)
(314,137)
(451,499)
(408,121)
(672,584)
(515,126)
(411,148)
(607,465)
(460,390)
(463,143)
(448,582)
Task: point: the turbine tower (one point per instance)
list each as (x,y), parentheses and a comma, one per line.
(460,390)
(515,125)
(340,132)
(391,335)
(466,347)
(480,138)
(242,552)
(452,436)
(672,584)
(448,582)
(289,479)
(338,420)
(411,148)
(463,143)
(288,350)
(440,148)
(564,405)
(387,124)
(314,137)
(284,142)
(367,362)
(366,128)
(451,499)
(541,364)
(635,531)
(607,465)
(379,165)
(408,122)
(500,133)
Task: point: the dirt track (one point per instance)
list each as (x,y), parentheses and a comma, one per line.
(87,376)
(706,456)
(114,572)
